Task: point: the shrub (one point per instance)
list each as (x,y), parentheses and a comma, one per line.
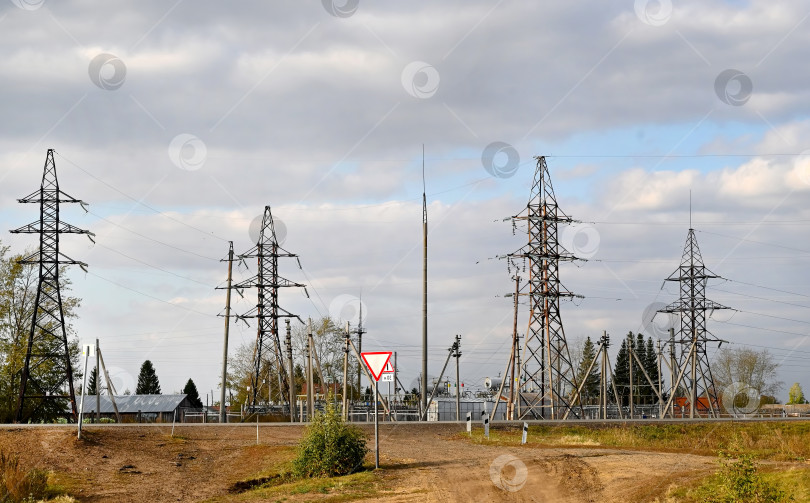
(17,484)
(330,447)
(740,482)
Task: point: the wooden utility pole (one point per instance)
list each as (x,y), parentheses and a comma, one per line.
(510,406)
(672,368)
(660,389)
(630,352)
(98,386)
(346,374)
(291,371)
(310,377)
(603,394)
(458,381)
(110,387)
(223,413)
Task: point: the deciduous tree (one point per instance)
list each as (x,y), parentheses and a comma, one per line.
(747,367)
(18,288)
(796,395)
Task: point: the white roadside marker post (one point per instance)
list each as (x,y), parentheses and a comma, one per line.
(525,433)
(486,424)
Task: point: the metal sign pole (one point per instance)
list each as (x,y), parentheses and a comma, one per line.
(376,430)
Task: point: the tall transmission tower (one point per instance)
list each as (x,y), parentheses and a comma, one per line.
(693,276)
(47,375)
(547,374)
(267,281)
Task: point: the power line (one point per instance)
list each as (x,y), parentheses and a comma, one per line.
(150,296)
(766,287)
(153,266)
(151,239)
(140,202)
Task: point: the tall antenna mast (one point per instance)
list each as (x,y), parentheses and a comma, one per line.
(424,287)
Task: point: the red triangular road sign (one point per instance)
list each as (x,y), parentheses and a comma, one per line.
(376,361)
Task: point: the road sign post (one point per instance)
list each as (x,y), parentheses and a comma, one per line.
(376,362)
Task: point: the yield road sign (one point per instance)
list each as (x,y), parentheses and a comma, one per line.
(375,361)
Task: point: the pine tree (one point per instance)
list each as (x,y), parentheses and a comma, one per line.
(193,395)
(148,383)
(651,366)
(92,383)
(642,389)
(590,390)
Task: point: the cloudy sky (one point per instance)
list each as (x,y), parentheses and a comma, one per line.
(180,121)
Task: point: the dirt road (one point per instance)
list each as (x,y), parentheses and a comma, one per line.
(425,463)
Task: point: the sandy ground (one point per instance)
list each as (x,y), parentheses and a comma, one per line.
(424,463)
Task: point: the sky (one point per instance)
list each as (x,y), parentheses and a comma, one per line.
(178,122)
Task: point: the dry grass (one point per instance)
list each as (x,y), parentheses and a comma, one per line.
(18,484)
(777,441)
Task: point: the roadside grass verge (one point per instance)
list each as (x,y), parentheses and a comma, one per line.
(774,441)
(782,485)
(277,483)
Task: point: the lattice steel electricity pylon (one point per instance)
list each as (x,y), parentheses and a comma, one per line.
(548,377)
(267,281)
(693,276)
(47,374)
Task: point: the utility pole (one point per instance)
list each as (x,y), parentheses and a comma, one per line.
(510,411)
(457,355)
(48,329)
(223,413)
(424,290)
(110,387)
(346,374)
(660,380)
(98,385)
(630,361)
(290,370)
(310,374)
(603,394)
(672,369)
(360,331)
(547,364)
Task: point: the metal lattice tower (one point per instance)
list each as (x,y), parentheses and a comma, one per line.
(267,281)
(693,276)
(47,374)
(547,374)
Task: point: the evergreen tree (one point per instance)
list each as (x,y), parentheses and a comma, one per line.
(590,390)
(92,383)
(651,366)
(642,389)
(193,395)
(148,383)
(621,374)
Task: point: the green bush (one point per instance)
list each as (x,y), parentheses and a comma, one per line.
(330,447)
(740,482)
(20,485)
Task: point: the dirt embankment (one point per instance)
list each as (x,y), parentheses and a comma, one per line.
(419,463)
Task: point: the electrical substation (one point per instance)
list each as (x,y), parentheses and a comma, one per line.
(540,380)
